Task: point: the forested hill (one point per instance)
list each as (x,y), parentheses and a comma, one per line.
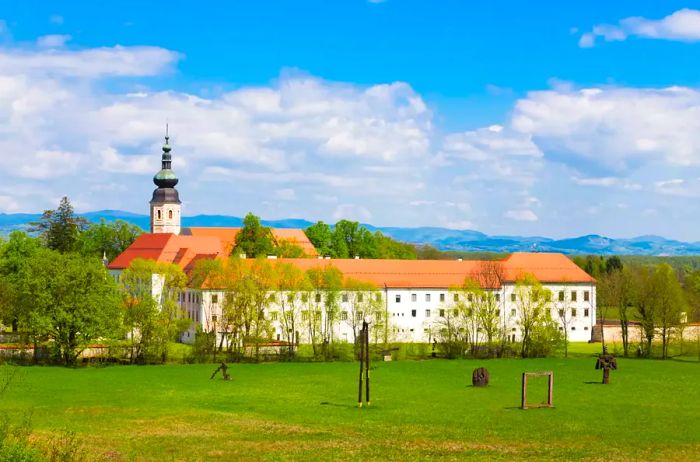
(441,238)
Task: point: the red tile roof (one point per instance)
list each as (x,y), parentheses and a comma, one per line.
(228,237)
(186,250)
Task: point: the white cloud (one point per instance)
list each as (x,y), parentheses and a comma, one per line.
(679,187)
(461,225)
(614,126)
(521,215)
(682,25)
(285,194)
(352,212)
(608,181)
(89,63)
(52,41)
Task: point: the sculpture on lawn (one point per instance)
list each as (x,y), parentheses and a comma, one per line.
(606,362)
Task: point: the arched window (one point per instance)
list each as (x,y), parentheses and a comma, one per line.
(158,214)
(170,214)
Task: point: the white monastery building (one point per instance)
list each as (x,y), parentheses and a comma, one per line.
(416,296)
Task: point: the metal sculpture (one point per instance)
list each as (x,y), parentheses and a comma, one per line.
(224,371)
(606,362)
(480,377)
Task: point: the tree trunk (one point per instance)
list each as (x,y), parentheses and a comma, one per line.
(624,327)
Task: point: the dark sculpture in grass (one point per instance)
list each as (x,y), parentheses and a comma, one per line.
(364,360)
(224,371)
(480,377)
(606,362)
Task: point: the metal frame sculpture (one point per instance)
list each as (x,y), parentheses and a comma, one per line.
(364,362)
(550,389)
(224,371)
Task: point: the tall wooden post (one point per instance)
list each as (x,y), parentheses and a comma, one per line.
(362,363)
(366,329)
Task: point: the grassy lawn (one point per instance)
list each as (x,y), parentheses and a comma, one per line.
(420,410)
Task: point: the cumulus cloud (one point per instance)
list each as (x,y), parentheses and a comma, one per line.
(607,182)
(682,25)
(614,127)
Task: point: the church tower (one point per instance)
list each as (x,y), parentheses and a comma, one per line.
(165,204)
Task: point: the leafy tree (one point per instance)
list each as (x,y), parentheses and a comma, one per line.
(321,237)
(110,239)
(387,248)
(152,314)
(288,249)
(254,239)
(668,303)
(643,297)
(68,299)
(292,283)
(350,240)
(60,229)
(539,333)
(362,301)
(615,290)
(14,255)
(613,263)
(326,283)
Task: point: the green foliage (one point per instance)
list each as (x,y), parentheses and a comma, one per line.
(68,299)
(287,249)
(254,239)
(110,239)
(539,333)
(60,229)
(349,239)
(152,314)
(420,410)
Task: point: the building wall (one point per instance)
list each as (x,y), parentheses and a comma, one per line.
(414,315)
(165,218)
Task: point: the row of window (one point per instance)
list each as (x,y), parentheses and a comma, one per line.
(159,214)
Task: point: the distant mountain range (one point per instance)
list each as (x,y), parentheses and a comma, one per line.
(442,238)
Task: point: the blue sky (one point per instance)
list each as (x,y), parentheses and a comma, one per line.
(549,118)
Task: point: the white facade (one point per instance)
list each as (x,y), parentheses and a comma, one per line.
(414,315)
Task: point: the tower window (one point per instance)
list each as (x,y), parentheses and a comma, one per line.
(158,214)
(170,214)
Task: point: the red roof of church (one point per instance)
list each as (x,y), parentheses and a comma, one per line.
(228,237)
(186,250)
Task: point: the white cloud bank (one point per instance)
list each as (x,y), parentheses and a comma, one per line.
(682,25)
(312,148)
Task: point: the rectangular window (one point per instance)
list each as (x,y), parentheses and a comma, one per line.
(498,297)
(427,297)
(359,315)
(398,299)
(442,297)
(414,297)
(469,297)
(318,298)
(574,295)
(378,316)
(427,313)
(561,313)
(561,295)
(573,312)
(585,328)
(304,315)
(213,318)
(215,298)
(498,312)
(378,297)
(290,298)
(512,312)
(512,297)
(413,313)
(586,296)
(455,312)
(442,313)
(360,297)
(573,327)
(585,312)
(273,316)
(345,297)
(343,315)
(456,297)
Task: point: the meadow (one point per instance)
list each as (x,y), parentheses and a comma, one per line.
(419,410)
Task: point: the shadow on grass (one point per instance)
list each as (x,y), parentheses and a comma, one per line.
(327,403)
(593,383)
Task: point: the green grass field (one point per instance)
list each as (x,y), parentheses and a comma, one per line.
(420,410)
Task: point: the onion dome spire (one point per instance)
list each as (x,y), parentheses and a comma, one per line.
(166,178)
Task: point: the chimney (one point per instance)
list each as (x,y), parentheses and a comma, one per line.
(327,257)
(272,257)
(459,259)
(357,257)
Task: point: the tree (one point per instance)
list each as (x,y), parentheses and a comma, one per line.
(563,307)
(388,248)
(351,240)
(615,290)
(14,255)
(363,301)
(643,297)
(109,239)
(539,334)
(668,303)
(60,229)
(321,237)
(288,249)
(292,283)
(68,299)
(152,314)
(254,239)
(326,283)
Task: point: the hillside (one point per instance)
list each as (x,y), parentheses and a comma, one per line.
(442,238)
